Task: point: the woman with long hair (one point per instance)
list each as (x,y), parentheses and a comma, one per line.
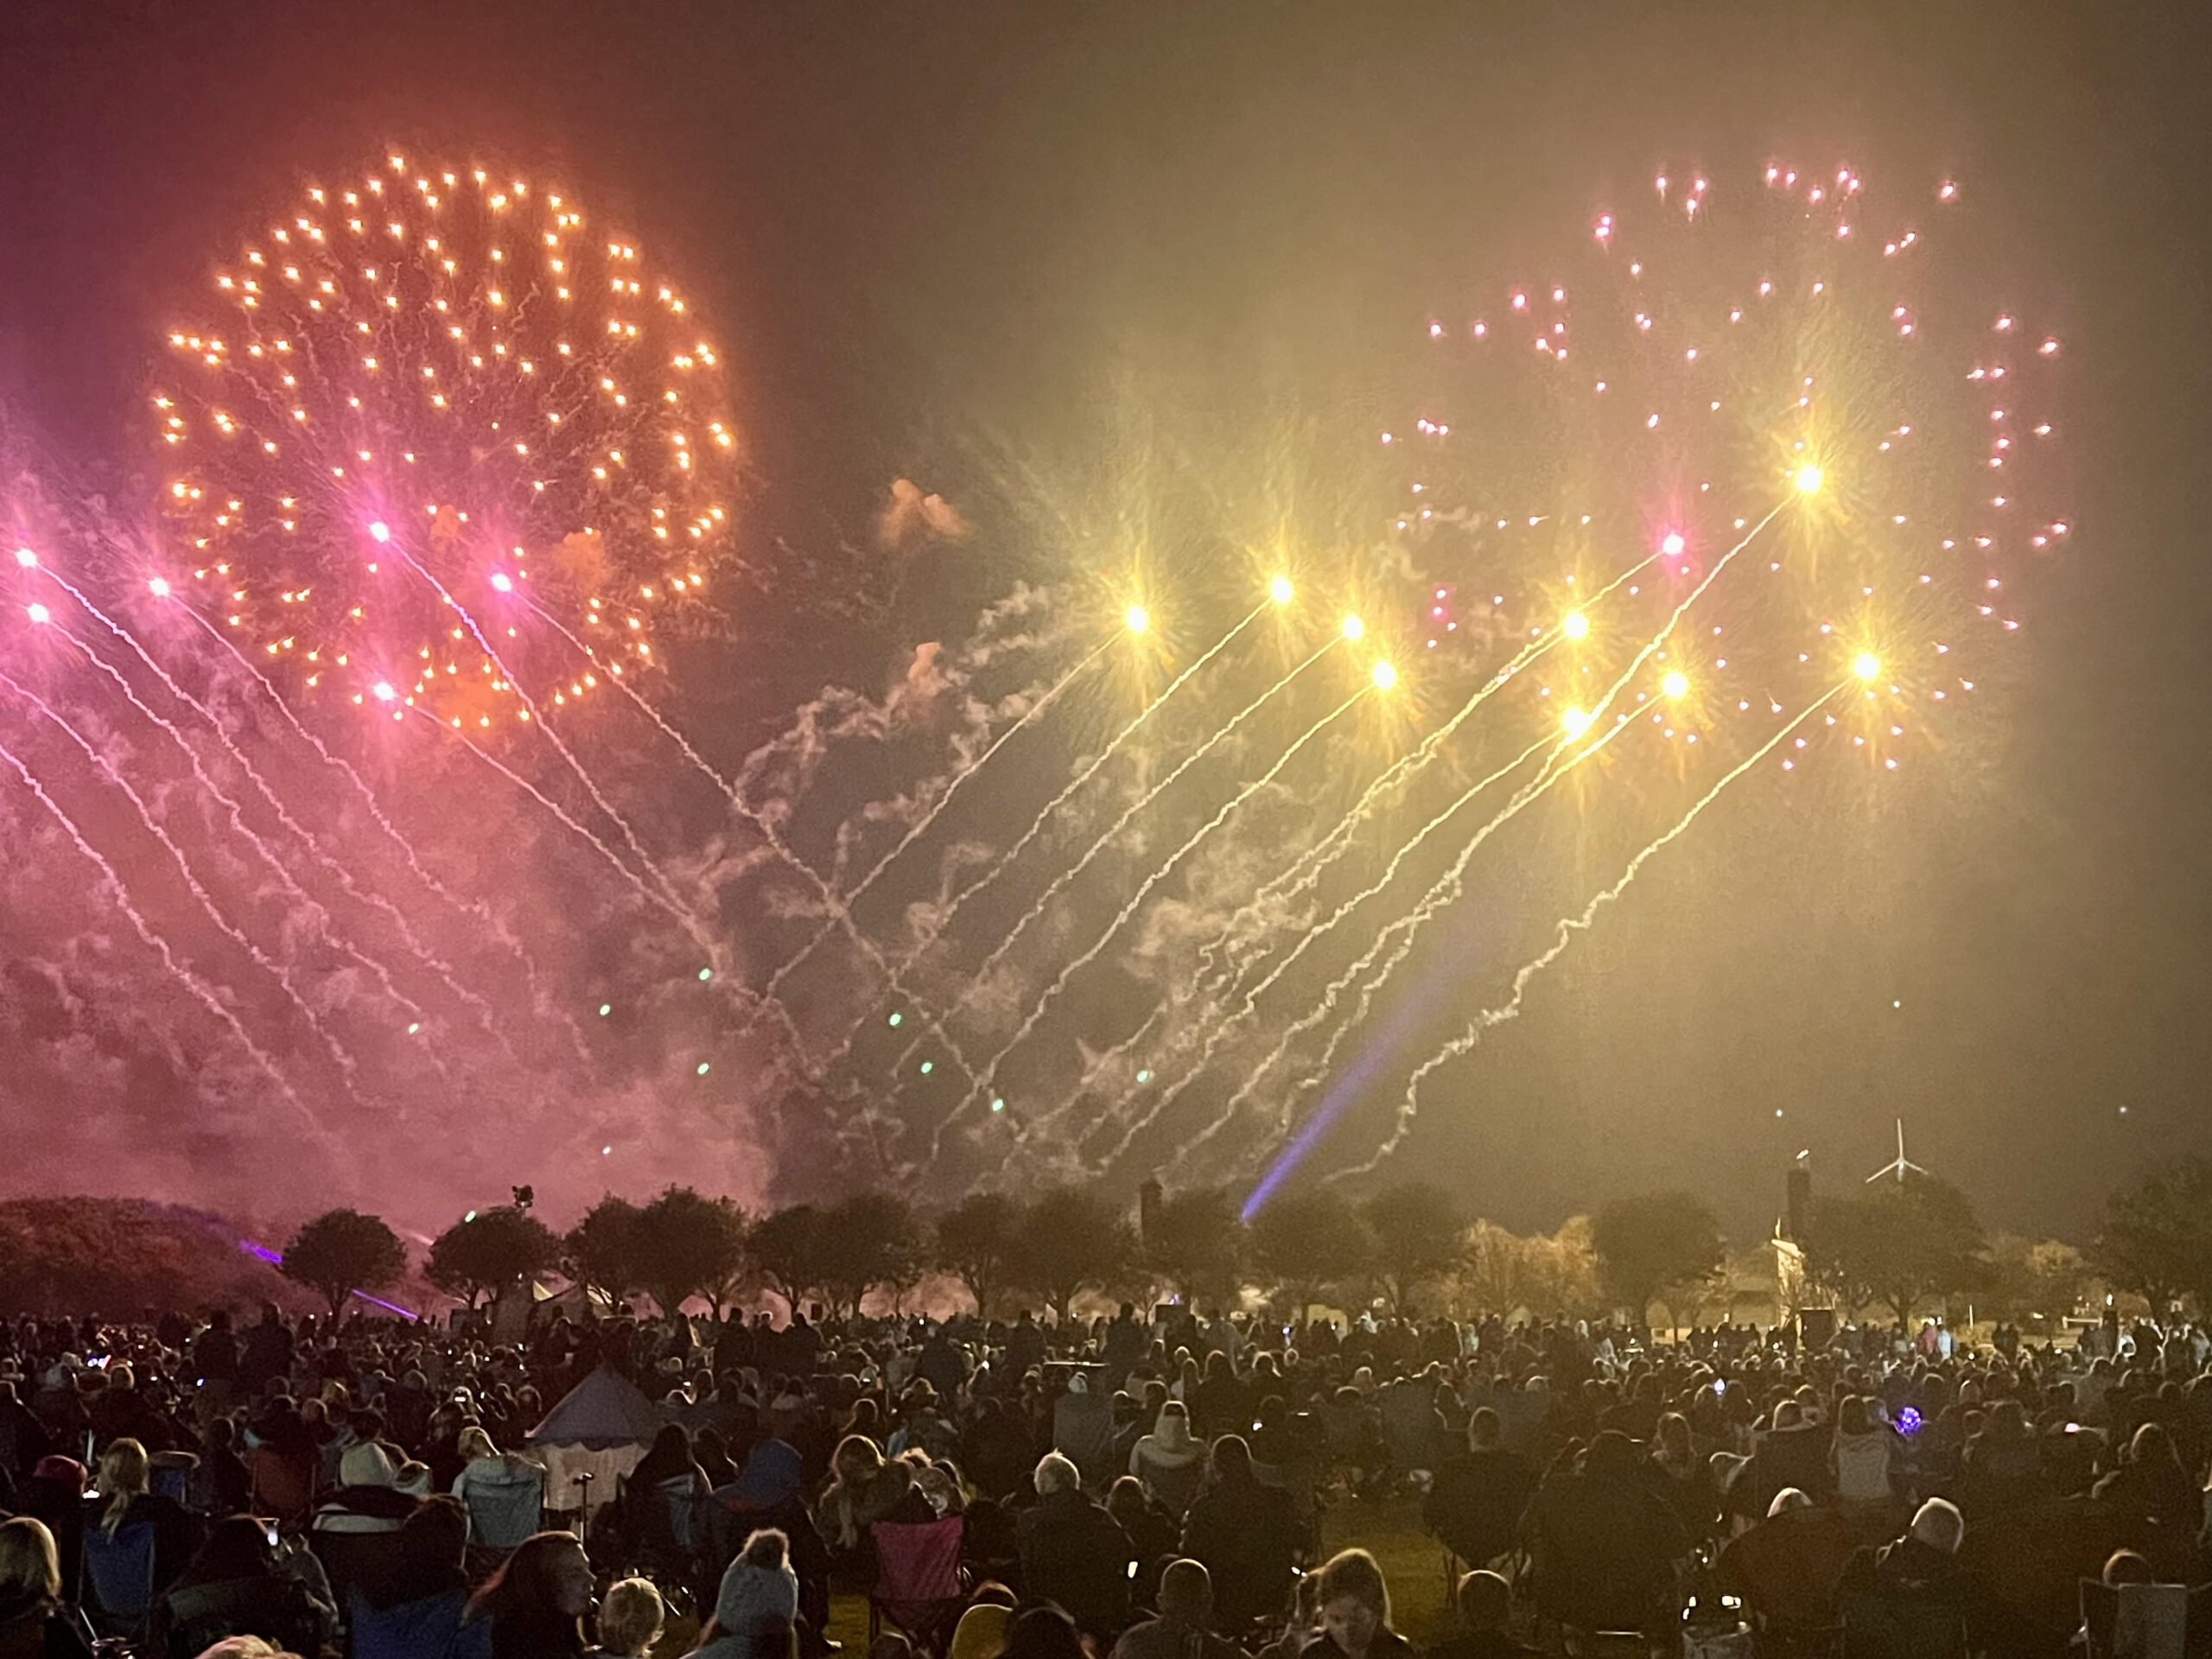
(34,1622)
(1354,1604)
(537,1602)
(126,1499)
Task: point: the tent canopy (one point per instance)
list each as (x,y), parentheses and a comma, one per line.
(605,1409)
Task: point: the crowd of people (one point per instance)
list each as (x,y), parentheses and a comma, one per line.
(1139,1487)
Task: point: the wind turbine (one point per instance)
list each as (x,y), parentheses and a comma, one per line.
(1900,1166)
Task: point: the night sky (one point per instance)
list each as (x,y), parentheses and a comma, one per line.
(979,245)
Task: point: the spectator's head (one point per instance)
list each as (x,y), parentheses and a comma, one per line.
(1938,1524)
(1042,1631)
(1484,1600)
(981,1633)
(2152,1447)
(1852,1419)
(475,1443)
(31,1567)
(1186,1593)
(1354,1600)
(1125,1499)
(857,1458)
(1789,1414)
(124,1472)
(246,1647)
(2124,1566)
(548,1575)
(1485,1431)
(1173,1426)
(1788,1498)
(1672,1436)
(1232,1459)
(1055,1474)
(631,1615)
(434,1538)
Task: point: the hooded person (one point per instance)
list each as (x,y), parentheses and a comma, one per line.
(756,1606)
(1912,1581)
(1073,1553)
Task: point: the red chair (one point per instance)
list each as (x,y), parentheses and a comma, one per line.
(919,1588)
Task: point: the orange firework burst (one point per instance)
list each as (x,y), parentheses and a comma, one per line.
(444,403)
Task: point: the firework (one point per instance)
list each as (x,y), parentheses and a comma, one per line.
(431,396)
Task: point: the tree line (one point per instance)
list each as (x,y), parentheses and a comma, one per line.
(1894,1248)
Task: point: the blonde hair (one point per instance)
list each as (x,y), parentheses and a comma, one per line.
(1356,1573)
(124,1472)
(630,1616)
(474,1443)
(31,1567)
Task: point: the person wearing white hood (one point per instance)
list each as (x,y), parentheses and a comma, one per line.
(1171,1461)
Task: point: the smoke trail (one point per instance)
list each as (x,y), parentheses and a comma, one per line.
(1061,882)
(472,907)
(107,768)
(1224,1028)
(323,861)
(921,825)
(236,814)
(1405,926)
(199,988)
(1568,926)
(999,867)
(1173,861)
(768,994)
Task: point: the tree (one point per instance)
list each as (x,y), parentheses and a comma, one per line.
(786,1249)
(487,1250)
(1495,1269)
(2156,1236)
(601,1251)
(870,1239)
(1304,1241)
(973,1241)
(342,1251)
(2030,1279)
(1418,1235)
(684,1245)
(1070,1241)
(1652,1242)
(1898,1244)
(1193,1243)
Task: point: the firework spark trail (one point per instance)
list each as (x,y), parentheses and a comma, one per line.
(471,907)
(1568,926)
(323,861)
(205,900)
(1306,872)
(1173,861)
(1447,888)
(202,991)
(1405,927)
(1223,1028)
(1549,774)
(1075,870)
(236,814)
(1113,748)
(921,826)
(1061,882)
(768,993)
(591,788)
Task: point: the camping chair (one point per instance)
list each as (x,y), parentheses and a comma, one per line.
(119,1578)
(669,1533)
(2138,1621)
(507,1508)
(918,1586)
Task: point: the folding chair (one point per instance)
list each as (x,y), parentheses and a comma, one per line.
(119,1578)
(918,1586)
